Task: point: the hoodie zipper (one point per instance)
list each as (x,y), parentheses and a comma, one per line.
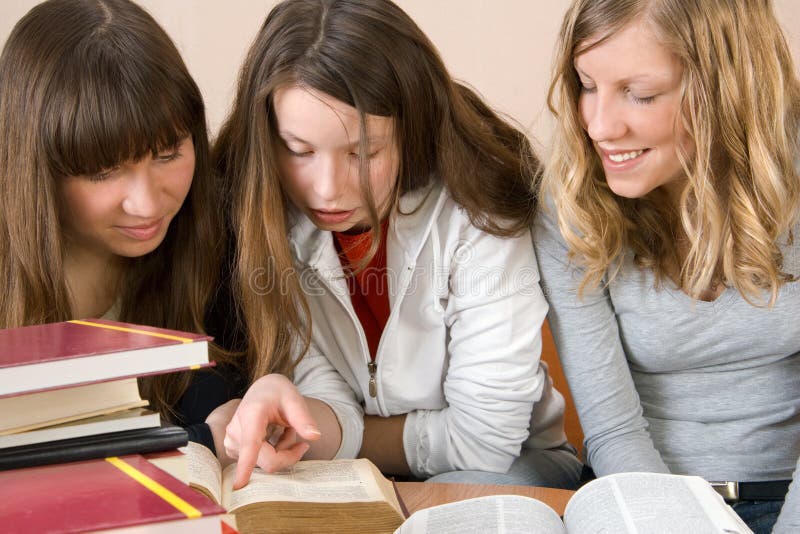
(372,367)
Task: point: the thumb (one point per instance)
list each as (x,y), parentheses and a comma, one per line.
(297,416)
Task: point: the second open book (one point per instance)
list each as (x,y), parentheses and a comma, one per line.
(621,503)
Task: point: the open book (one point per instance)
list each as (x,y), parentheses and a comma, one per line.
(313,496)
(621,503)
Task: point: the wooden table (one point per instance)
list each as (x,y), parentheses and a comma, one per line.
(418,495)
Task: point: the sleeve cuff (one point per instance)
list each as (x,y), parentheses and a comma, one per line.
(201,433)
(352,428)
(411,444)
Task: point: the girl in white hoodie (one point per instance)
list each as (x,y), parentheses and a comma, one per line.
(407,205)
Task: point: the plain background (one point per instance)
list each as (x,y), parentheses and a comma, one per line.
(503,48)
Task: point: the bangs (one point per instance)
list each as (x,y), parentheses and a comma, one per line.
(115,110)
(598,21)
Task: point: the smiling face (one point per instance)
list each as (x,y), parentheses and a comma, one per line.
(629,103)
(319,158)
(126,211)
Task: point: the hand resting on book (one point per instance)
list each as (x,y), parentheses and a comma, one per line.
(217,422)
(270,428)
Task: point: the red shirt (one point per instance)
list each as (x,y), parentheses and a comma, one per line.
(369,288)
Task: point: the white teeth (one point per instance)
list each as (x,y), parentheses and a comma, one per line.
(619,158)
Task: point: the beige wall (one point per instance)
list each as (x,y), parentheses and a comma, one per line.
(502,48)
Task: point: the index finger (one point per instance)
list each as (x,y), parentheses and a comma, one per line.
(250,441)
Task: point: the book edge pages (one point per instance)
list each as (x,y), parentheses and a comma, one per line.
(200,459)
(132,418)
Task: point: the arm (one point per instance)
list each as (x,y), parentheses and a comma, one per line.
(789,519)
(594,362)
(341,417)
(383,443)
(494,312)
(328,416)
(200,409)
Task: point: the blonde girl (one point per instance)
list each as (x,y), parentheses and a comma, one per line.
(668,247)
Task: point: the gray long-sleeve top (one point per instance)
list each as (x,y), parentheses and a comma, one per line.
(667,384)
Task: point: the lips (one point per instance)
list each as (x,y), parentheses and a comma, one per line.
(142,232)
(620,160)
(332,216)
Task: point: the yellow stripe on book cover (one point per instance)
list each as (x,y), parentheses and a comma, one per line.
(133,330)
(184,507)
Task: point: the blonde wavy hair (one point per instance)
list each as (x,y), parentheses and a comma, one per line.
(740,106)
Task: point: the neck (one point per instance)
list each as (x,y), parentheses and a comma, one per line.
(92,281)
(673,191)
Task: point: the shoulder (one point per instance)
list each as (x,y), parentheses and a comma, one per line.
(546,233)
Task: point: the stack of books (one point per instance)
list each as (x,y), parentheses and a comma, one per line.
(79,450)
(117,494)
(68,391)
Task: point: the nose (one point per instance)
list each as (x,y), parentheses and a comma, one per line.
(142,195)
(602,118)
(331,178)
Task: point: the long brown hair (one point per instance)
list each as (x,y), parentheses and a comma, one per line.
(370,55)
(85,85)
(740,106)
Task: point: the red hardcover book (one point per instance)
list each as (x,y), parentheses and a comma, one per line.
(117,493)
(57,355)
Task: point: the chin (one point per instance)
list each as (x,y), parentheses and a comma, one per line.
(628,189)
(139,249)
(344,226)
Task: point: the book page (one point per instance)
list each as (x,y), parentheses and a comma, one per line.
(650,502)
(204,471)
(42,409)
(306,481)
(502,514)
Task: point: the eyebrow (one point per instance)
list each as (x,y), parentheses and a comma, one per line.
(628,80)
(288,136)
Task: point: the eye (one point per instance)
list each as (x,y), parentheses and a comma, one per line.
(103,175)
(639,99)
(643,100)
(295,153)
(587,88)
(169,155)
(303,154)
(371,155)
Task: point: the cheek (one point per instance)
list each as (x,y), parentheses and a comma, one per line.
(661,123)
(684,141)
(686,144)
(80,204)
(583,111)
(292,174)
(181,186)
(289,184)
(383,178)
(181,180)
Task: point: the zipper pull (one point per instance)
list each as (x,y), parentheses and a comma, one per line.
(373,385)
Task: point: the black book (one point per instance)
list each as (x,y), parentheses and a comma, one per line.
(138,441)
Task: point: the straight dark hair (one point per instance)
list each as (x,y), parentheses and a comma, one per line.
(86,85)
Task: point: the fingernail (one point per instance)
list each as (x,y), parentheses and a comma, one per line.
(311,429)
